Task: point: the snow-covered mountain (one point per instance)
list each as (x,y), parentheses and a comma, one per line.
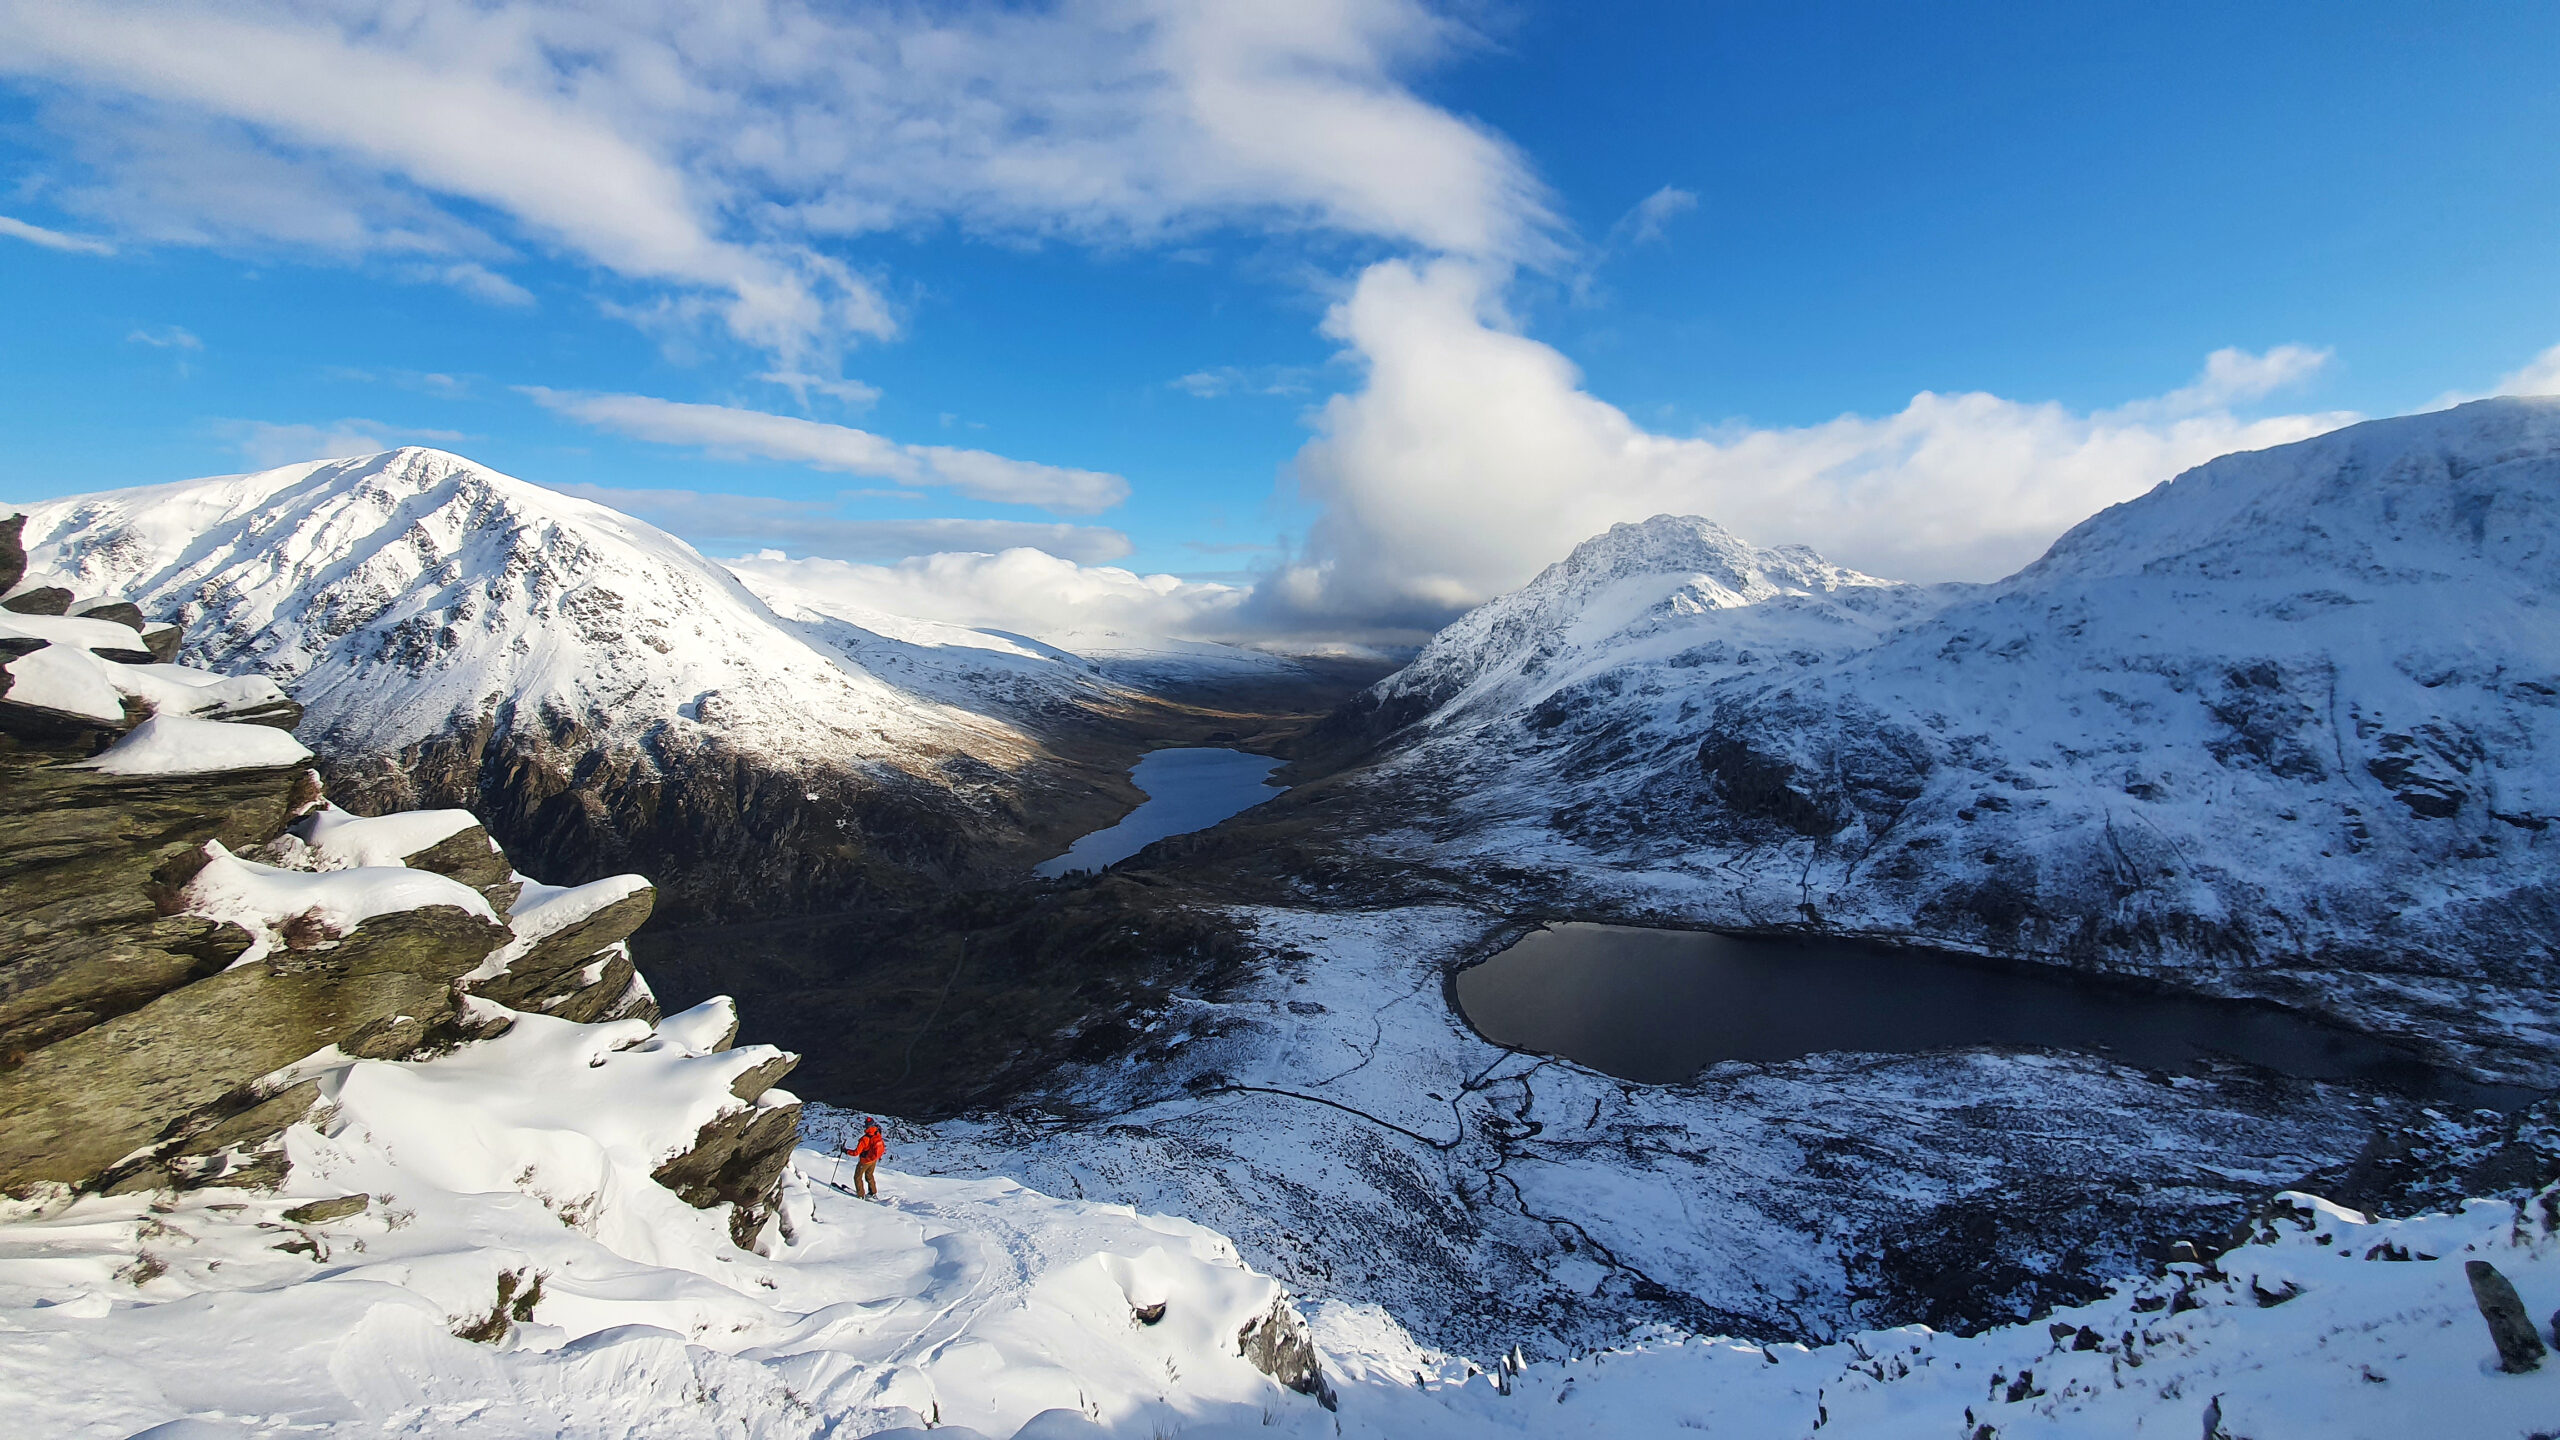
(606,694)
(2289,725)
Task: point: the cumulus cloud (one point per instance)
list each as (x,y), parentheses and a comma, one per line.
(1473,457)
(266,444)
(727,431)
(53,239)
(814,526)
(1023,590)
(708,151)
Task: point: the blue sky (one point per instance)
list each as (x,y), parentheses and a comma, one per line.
(1370,305)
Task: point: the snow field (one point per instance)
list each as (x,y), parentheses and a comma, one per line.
(972,1303)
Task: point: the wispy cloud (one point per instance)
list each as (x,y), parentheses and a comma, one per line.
(727,431)
(54,239)
(812,527)
(2540,376)
(1651,218)
(266,444)
(852,394)
(1279,380)
(166,337)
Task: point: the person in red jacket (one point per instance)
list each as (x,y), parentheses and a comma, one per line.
(867,1153)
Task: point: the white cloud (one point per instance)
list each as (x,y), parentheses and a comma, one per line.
(1023,590)
(813,526)
(706,152)
(167,337)
(2540,376)
(728,431)
(852,394)
(53,239)
(265,444)
(475,280)
(1473,457)
(1267,380)
(1651,218)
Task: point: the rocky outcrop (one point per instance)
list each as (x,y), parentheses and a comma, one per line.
(191,935)
(1278,1343)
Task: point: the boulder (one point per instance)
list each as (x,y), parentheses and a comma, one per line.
(2520,1347)
(163,642)
(13,552)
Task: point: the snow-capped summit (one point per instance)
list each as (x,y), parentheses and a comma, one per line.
(2288,725)
(404,593)
(1635,589)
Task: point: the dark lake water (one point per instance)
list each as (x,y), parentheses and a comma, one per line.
(1658,1006)
(1186,789)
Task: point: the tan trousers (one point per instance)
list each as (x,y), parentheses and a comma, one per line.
(864,1182)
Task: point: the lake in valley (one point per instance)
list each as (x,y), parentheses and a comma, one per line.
(1658,1006)
(1187,789)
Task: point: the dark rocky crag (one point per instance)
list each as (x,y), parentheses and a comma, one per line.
(144,1047)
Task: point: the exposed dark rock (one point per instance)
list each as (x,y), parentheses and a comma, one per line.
(737,1159)
(77,1106)
(550,968)
(163,642)
(321,1212)
(764,1077)
(727,832)
(89,867)
(13,552)
(120,612)
(471,857)
(2520,1348)
(43,600)
(1761,787)
(1278,1344)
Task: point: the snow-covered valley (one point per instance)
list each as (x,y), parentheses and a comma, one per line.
(1202,1145)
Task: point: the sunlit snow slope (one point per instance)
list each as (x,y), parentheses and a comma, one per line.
(400,593)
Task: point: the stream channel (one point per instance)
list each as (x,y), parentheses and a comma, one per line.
(1187,789)
(1659,1006)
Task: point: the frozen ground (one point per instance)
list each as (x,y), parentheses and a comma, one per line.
(507,1201)
(1353,1135)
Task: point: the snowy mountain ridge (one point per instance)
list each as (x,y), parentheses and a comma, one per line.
(401,593)
(607,696)
(2287,726)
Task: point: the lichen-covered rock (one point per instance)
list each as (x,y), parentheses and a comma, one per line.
(89,867)
(75,1108)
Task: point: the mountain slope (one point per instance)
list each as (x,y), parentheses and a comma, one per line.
(607,695)
(2289,726)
